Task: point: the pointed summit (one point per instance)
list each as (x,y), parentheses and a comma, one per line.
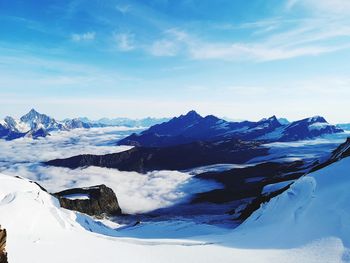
(36,120)
(33,111)
(273,118)
(317,119)
(193,114)
(31,116)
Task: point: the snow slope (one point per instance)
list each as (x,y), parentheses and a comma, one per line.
(315,210)
(307,223)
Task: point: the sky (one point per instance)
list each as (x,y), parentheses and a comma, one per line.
(122,58)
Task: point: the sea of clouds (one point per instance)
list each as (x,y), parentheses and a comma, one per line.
(136,192)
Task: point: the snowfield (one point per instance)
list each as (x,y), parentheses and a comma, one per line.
(307,223)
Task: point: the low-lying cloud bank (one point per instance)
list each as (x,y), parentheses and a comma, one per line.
(136,192)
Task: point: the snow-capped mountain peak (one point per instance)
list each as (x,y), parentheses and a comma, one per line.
(37,120)
(315,119)
(15,125)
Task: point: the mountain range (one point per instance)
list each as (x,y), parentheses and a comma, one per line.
(126,122)
(34,124)
(193,127)
(179,130)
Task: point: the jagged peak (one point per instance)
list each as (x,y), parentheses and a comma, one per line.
(191,115)
(270,119)
(34,111)
(316,118)
(31,114)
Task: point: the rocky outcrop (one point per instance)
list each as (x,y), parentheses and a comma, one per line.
(342,151)
(96,201)
(3,254)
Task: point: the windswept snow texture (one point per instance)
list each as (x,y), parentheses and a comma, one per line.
(316,208)
(136,192)
(307,223)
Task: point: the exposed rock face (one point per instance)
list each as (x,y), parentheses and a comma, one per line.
(3,254)
(180,157)
(95,201)
(248,182)
(342,151)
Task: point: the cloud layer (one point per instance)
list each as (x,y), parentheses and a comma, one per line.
(136,192)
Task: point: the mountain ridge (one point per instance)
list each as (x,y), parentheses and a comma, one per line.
(192,126)
(34,125)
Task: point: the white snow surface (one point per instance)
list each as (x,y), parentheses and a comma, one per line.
(307,223)
(316,208)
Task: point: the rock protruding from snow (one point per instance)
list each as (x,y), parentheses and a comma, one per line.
(341,152)
(95,201)
(3,254)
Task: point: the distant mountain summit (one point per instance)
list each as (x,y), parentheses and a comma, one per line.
(35,124)
(308,128)
(193,127)
(36,121)
(126,122)
(77,124)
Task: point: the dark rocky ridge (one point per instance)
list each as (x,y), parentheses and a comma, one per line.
(238,188)
(3,254)
(193,127)
(246,182)
(342,151)
(101,201)
(243,186)
(180,157)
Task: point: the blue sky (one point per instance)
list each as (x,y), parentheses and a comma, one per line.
(240,59)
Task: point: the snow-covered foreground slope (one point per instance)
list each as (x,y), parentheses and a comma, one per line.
(308,223)
(315,210)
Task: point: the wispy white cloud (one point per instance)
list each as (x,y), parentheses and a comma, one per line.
(258,52)
(164,48)
(123,8)
(309,37)
(125,41)
(88,36)
(326,6)
(173,42)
